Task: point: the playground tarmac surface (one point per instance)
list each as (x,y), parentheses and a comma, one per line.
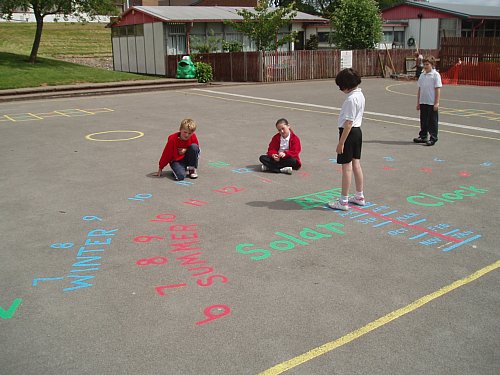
(106,269)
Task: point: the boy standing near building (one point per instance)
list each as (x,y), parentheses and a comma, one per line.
(419,64)
(181,152)
(428,95)
(350,138)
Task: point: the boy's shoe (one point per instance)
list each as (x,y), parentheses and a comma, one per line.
(263,168)
(430,142)
(337,205)
(192,172)
(420,140)
(287,170)
(360,201)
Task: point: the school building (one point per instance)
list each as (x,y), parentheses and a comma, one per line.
(418,24)
(144,36)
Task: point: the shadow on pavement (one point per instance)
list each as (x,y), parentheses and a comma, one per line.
(391,142)
(167,174)
(280,205)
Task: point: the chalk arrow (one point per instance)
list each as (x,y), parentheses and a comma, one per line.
(9,313)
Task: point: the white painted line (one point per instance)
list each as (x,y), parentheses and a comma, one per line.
(338,109)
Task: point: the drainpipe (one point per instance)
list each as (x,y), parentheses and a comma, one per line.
(420,16)
(474,28)
(188,37)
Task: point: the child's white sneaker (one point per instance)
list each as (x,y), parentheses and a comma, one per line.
(337,205)
(287,170)
(191,171)
(263,168)
(360,201)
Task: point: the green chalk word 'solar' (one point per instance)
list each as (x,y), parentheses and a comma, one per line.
(434,201)
(291,241)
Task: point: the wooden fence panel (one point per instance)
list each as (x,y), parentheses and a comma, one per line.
(473,61)
(469,50)
(295,65)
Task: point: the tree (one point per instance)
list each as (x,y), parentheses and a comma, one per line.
(306,6)
(312,42)
(326,8)
(357,24)
(42,8)
(204,44)
(383,4)
(263,24)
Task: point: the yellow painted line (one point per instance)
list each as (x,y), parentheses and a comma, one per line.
(84,111)
(387,88)
(72,112)
(101,110)
(37,117)
(26,119)
(336,113)
(9,118)
(44,115)
(90,137)
(62,114)
(325,348)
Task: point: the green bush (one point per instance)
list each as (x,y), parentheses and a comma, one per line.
(232,46)
(205,44)
(203,72)
(312,42)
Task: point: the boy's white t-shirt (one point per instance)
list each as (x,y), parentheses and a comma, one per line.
(428,82)
(352,109)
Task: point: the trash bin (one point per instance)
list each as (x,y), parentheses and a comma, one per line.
(186,68)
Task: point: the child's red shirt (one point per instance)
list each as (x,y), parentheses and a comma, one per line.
(294,147)
(174,142)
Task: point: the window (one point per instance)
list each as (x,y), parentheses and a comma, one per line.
(399,37)
(325,37)
(448,27)
(130,30)
(177,28)
(388,37)
(139,30)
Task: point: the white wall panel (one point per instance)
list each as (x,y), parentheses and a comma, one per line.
(149,48)
(430,33)
(117,62)
(132,55)
(159,43)
(124,53)
(141,58)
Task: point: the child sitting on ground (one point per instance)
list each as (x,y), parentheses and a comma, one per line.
(283,151)
(181,152)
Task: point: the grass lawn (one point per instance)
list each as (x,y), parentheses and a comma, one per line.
(70,39)
(58,39)
(16,72)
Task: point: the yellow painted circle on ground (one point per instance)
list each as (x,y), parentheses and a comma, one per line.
(138,135)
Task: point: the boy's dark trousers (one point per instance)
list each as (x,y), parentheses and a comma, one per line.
(428,122)
(275,166)
(190,159)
